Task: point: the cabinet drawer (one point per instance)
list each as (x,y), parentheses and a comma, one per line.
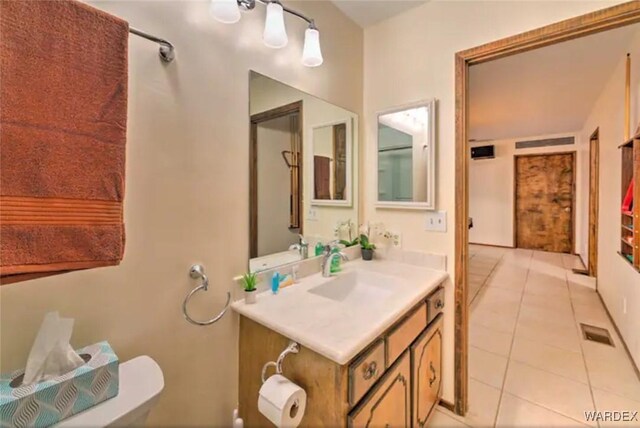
(389,403)
(365,371)
(405,332)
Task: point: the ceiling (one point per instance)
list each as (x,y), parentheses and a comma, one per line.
(368,12)
(552,89)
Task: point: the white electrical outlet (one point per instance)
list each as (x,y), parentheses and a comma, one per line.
(436,221)
(312,215)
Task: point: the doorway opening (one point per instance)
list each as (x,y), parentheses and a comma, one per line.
(596,22)
(275,154)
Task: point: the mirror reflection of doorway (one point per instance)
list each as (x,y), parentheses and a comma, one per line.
(330,162)
(275,179)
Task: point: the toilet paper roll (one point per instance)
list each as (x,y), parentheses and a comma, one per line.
(282,401)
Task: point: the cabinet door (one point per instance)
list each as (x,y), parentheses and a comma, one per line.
(426,380)
(388,404)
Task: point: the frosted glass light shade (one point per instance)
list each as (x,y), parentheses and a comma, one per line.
(275,35)
(225,11)
(311,53)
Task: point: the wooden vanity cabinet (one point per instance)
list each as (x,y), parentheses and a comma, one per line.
(426,372)
(394,383)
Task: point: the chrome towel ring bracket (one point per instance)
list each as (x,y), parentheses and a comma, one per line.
(197,272)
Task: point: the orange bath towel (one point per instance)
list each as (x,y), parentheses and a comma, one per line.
(63,117)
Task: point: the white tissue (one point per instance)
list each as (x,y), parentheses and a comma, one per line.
(51,354)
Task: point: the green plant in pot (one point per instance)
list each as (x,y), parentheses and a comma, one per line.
(367,247)
(249,282)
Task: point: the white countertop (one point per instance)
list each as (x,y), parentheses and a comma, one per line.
(339,330)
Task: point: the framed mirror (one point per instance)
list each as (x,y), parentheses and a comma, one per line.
(331,175)
(290,212)
(406,141)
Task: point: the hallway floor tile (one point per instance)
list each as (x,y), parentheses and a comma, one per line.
(529,365)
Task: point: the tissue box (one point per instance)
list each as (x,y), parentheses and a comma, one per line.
(49,402)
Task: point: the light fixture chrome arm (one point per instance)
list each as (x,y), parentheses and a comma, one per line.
(311,22)
(167,50)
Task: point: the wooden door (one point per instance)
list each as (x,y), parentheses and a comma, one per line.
(388,405)
(594,180)
(340,161)
(426,369)
(544,201)
(321,177)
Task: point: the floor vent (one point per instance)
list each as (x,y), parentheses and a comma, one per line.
(596,334)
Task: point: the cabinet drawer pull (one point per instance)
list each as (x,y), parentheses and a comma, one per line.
(433,372)
(370,370)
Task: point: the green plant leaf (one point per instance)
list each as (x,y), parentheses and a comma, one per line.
(250,280)
(365,243)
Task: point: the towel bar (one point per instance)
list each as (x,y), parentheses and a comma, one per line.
(167,51)
(197,271)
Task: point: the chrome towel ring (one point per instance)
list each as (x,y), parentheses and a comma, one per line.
(197,272)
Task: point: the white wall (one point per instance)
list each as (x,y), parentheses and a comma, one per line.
(491,190)
(274,194)
(186,199)
(617,280)
(411,57)
(319,221)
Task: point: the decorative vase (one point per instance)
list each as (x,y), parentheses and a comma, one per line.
(367,254)
(250,297)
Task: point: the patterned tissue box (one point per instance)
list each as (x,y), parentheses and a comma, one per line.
(51,401)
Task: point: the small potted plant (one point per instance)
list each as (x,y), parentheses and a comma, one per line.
(249,281)
(367,247)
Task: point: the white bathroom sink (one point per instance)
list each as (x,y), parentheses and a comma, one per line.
(338,316)
(357,287)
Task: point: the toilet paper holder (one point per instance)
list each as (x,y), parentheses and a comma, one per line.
(293,348)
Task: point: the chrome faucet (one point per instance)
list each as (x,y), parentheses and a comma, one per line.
(327,258)
(302,247)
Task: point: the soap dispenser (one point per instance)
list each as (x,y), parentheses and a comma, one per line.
(335,261)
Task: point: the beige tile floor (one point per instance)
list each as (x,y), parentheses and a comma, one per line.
(528,363)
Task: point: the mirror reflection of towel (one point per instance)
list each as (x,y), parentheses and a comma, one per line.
(321,177)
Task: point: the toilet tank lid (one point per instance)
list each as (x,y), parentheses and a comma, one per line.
(141,381)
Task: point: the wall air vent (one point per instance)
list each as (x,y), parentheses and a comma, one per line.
(545,143)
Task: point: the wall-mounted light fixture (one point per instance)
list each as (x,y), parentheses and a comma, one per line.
(275,33)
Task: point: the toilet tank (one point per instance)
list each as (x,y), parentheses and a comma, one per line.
(141,382)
